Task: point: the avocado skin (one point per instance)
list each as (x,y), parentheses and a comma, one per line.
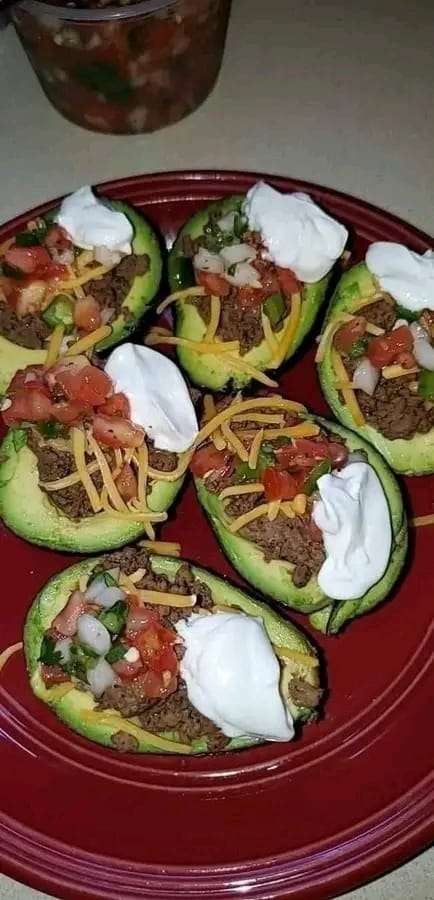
(408,457)
(27,511)
(274,580)
(206,370)
(52,599)
(137,301)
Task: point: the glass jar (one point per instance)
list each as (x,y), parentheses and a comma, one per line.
(124,69)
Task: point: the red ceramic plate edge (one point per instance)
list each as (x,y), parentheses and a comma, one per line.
(370,859)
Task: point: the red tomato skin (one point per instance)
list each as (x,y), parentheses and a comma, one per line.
(115,431)
(127,670)
(68,411)
(126,482)
(94,386)
(279,485)
(28,406)
(288,282)
(304,452)
(65,622)
(208,459)
(384,350)
(53,675)
(213,284)
(346,336)
(33,261)
(87,313)
(116,405)
(248,297)
(152,684)
(139,618)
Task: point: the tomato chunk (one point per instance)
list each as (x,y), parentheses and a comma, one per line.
(384,350)
(288,282)
(140,618)
(279,485)
(53,675)
(68,411)
(57,238)
(213,284)
(87,313)
(126,669)
(208,459)
(156,685)
(28,406)
(351,332)
(65,622)
(126,482)
(116,405)
(115,431)
(33,261)
(304,453)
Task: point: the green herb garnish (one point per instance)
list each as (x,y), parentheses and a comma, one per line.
(117,651)
(359,348)
(48,655)
(114,618)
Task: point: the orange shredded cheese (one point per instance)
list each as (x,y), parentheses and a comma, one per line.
(209,413)
(86,343)
(255,449)
(142,472)
(234,442)
(234,490)
(183,601)
(78,449)
(183,463)
(213,323)
(180,295)
(54,345)
(348,394)
(270,337)
(78,281)
(236,362)
(286,653)
(299,504)
(8,652)
(260,417)
(243,406)
(422,521)
(247,517)
(164,548)
(68,480)
(107,476)
(273,510)
(287,509)
(198,346)
(398,371)
(305,429)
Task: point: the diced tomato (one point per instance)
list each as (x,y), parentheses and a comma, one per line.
(34,261)
(288,283)
(68,411)
(164,660)
(208,459)
(351,332)
(57,238)
(152,639)
(384,350)
(154,684)
(213,284)
(88,385)
(126,669)
(140,618)
(53,675)
(116,405)
(248,296)
(126,482)
(65,622)
(29,378)
(279,485)
(406,359)
(115,431)
(303,453)
(87,313)
(28,406)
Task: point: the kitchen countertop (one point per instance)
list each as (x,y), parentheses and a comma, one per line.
(335,93)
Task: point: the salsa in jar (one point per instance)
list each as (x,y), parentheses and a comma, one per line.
(128,67)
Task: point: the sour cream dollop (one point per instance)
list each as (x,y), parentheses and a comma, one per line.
(406,275)
(232,675)
(157,393)
(91,224)
(298,234)
(354,518)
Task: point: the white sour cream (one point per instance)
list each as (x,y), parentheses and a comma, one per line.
(407,276)
(232,675)
(157,393)
(91,224)
(297,233)
(353,516)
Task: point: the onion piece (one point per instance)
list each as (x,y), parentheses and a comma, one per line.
(237,253)
(63,646)
(244,274)
(422,348)
(227,222)
(366,376)
(103,594)
(107,257)
(356,456)
(100,677)
(208,262)
(93,634)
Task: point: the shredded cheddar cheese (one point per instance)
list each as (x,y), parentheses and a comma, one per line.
(78,281)
(260,417)
(54,346)
(214,320)
(234,442)
(236,362)
(422,521)
(248,517)
(180,295)
(299,504)
(234,490)
(113,720)
(68,480)
(78,449)
(287,509)
(164,548)
(183,463)
(86,343)
(142,472)
(273,510)
(198,346)
(209,413)
(107,476)
(161,598)
(398,371)
(8,652)
(289,331)
(286,653)
(244,406)
(349,396)
(305,429)
(255,449)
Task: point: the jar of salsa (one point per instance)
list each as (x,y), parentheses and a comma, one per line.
(120,66)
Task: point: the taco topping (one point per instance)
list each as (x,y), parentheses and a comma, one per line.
(407,276)
(292,488)
(144,645)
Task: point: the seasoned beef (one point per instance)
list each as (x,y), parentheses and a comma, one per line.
(124,742)
(128,698)
(236,323)
(110,290)
(129,559)
(176,713)
(302,693)
(394,409)
(184,583)
(290,540)
(30,331)
(53,464)
(242,503)
(163,460)
(381,313)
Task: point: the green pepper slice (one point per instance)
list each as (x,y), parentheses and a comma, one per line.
(60,312)
(275,308)
(359,348)
(114,618)
(311,483)
(425,387)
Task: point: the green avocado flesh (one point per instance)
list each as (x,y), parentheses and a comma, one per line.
(208,370)
(27,511)
(408,457)
(274,580)
(139,298)
(73,706)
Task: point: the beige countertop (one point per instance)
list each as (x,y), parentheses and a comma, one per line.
(335,93)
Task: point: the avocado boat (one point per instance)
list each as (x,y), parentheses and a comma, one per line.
(76,472)
(260,493)
(390,404)
(48,281)
(101,652)
(239,297)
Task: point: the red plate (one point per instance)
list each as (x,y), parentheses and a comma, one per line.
(347,800)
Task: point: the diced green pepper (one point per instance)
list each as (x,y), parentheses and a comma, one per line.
(48,655)
(243,472)
(323,468)
(359,348)
(117,651)
(81,659)
(408,314)
(425,387)
(114,619)
(275,308)
(32,236)
(60,312)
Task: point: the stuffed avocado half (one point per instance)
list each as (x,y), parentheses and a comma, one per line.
(249,280)
(376,356)
(307,511)
(49,281)
(94,458)
(122,648)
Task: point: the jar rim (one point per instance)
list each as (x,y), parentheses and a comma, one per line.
(143,7)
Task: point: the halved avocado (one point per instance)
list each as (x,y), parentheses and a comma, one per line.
(274,580)
(76,708)
(209,370)
(139,298)
(27,511)
(408,457)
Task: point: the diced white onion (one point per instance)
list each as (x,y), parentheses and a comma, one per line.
(132,655)
(356,456)
(64,648)
(93,634)
(399,323)
(62,257)
(100,677)
(208,262)
(237,253)
(422,348)
(104,595)
(107,257)
(366,376)
(244,274)
(227,222)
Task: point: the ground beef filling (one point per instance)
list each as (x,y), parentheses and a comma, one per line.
(30,331)
(304,694)
(54,464)
(382,313)
(110,290)
(236,322)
